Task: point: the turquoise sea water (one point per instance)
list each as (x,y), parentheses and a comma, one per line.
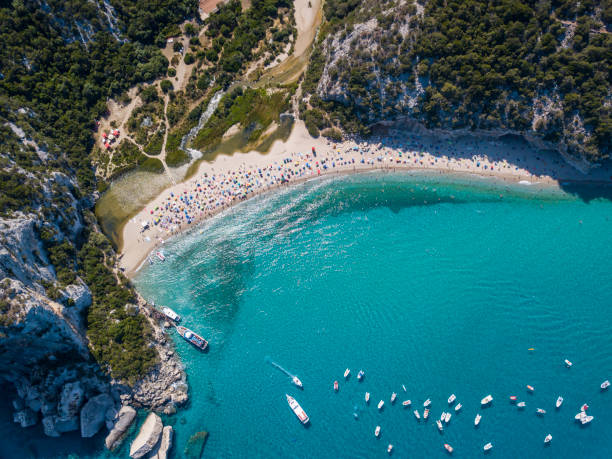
(438,283)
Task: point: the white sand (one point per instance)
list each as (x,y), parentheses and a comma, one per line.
(231,179)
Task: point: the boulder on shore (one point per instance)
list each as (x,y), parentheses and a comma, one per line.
(161,451)
(124,419)
(147,438)
(93,414)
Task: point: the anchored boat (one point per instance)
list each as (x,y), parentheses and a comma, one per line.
(297,409)
(192,337)
(170,314)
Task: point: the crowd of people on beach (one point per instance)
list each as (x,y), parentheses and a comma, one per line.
(215,190)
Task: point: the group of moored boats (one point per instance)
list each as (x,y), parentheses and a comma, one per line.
(583,417)
(188,335)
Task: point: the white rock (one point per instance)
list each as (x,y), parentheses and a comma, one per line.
(125,417)
(147,438)
(161,452)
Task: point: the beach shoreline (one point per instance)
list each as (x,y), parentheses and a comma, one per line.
(231,179)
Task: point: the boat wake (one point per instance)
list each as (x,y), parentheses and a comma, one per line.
(293,377)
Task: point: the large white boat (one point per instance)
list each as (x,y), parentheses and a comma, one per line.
(485,401)
(477,419)
(451,399)
(559,402)
(488,446)
(407,403)
(297,409)
(583,417)
(192,337)
(447,418)
(170,314)
(426,413)
(427,403)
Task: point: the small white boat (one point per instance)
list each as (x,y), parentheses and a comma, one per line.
(404,387)
(568,363)
(427,403)
(160,255)
(583,417)
(559,402)
(488,446)
(390,448)
(485,401)
(381,404)
(521,404)
(448,448)
(297,382)
(447,418)
(458,407)
(439,424)
(377,431)
(548,438)
(170,314)
(360,375)
(393,397)
(347,372)
(605,385)
(451,399)
(297,409)
(477,419)
(416,414)
(530,388)
(426,413)
(586,419)
(442,416)
(540,411)
(367,397)
(406,403)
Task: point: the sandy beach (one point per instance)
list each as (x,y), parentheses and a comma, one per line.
(230,179)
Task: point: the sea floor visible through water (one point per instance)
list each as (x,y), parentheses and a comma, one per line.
(441,284)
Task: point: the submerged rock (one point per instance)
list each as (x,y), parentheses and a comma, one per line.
(125,417)
(195,445)
(147,438)
(25,418)
(93,414)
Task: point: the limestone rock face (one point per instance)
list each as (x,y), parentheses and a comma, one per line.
(148,437)
(93,414)
(124,419)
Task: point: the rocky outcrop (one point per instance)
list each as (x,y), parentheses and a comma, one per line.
(163,447)
(124,420)
(94,413)
(148,437)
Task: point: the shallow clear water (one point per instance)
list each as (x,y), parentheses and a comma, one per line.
(441,284)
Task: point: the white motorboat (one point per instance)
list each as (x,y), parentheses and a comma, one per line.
(170,314)
(521,404)
(297,382)
(488,446)
(426,413)
(447,418)
(367,397)
(393,397)
(381,404)
(297,409)
(451,399)
(540,411)
(485,401)
(347,372)
(406,403)
(548,438)
(416,414)
(439,424)
(360,375)
(427,403)
(443,416)
(390,448)
(605,385)
(568,363)
(477,419)
(559,402)
(448,448)
(404,387)
(583,417)
(160,255)
(377,431)
(458,407)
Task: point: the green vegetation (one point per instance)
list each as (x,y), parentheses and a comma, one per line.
(118,334)
(127,157)
(482,64)
(253,109)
